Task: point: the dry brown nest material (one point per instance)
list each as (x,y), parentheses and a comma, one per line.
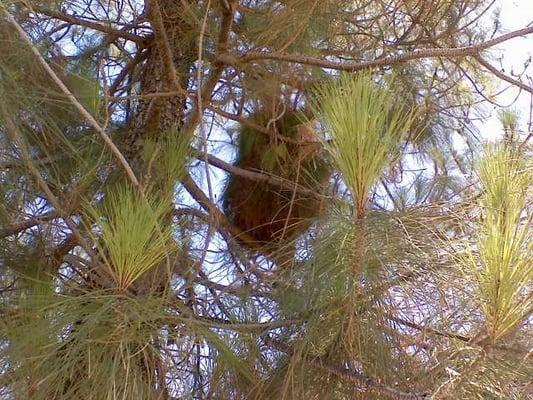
(269,214)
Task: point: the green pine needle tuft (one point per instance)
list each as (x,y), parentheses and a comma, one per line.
(130,226)
(503,272)
(366,129)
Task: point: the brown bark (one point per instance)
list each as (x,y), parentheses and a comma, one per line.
(170,58)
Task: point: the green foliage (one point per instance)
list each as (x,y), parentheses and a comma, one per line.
(503,270)
(509,119)
(347,315)
(167,161)
(130,225)
(105,345)
(110,291)
(85,86)
(89,346)
(366,130)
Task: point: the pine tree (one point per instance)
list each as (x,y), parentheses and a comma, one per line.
(260,200)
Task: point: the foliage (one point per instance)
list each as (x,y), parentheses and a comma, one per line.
(503,245)
(133,220)
(362,119)
(130,226)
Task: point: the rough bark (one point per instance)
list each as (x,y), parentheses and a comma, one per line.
(167,68)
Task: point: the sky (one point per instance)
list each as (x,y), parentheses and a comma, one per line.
(515,14)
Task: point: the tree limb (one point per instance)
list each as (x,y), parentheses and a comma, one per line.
(219,216)
(363,382)
(18,227)
(255,176)
(89,24)
(502,76)
(449,52)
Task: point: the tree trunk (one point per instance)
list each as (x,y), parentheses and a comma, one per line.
(170,58)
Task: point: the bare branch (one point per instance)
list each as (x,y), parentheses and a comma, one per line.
(253,175)
(502,76)
(220,64)
(448,52)
(18,227)
(90,24)
(219,216)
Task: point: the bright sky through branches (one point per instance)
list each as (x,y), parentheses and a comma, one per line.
(510,58)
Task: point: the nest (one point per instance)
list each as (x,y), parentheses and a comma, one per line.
(270,214)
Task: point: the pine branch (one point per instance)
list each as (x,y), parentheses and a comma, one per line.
(16,228)
(449,52)
(255,176)
(218,215)
(502,76)
(364,382)
(73,20)
(82,110)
